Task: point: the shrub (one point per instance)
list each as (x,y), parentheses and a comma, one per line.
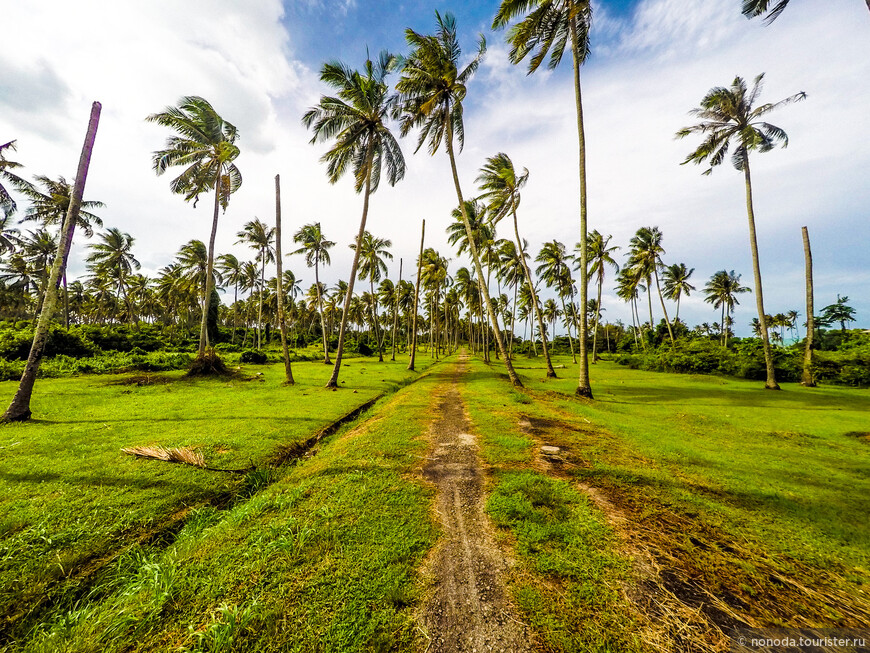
(254,356)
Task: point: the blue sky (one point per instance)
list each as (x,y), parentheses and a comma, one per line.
(652,61)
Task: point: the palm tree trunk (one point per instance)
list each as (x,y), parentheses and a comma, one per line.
(326,360)
(375,319)
(279,282)
(584,387)
(595,331)
(807,373)
(396,311)
(209,277)
(260,302)
(19,409)
(662,301)
(513,321)
(333,380)
(551,373)
(771,383)
(567,328)
(413,340)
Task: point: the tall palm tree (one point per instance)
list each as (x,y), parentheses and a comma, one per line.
(316,249)
(432,89)
(260,237)
(500,185)
(628,285)
(600,256)
(205,146)
(554,270)
(372,253)
(113,258)
(356,120)
(548,27)
(754,8)
(645,256)
(728,118)
(721,291)
(676,281)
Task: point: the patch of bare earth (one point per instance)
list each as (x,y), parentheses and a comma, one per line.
(468,607)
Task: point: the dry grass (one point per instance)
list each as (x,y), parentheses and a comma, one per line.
(184,455)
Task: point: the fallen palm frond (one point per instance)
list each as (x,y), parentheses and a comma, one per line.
(184,455)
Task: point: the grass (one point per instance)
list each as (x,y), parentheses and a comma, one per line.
(71,501)
(759,497)
(325,558)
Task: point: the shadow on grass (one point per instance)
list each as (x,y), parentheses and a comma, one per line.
(105,481)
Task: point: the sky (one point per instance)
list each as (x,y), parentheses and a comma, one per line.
(652,61)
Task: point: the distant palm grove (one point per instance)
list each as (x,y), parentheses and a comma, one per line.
(509,302)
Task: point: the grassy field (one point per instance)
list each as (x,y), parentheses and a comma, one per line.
(759,498)
(71,502)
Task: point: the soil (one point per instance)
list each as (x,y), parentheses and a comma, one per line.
(468,608)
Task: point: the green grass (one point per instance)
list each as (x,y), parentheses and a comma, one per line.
(70,498)
(323,559)
(739,484)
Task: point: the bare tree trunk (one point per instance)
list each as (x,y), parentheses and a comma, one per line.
(333,380)
(19,409)
(771,383)
(326,360)
(584,387)
(664,310)
(807,374)
(413,342)
(279,281)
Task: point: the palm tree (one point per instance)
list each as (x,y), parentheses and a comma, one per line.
(599,255)
(432,89)
(676,281)
(840,312)
(501,185)
(260,237)
(721,291)
(356,120)
(230,269)
(372,253)
(316,249)
(113,258)
(728,117)
(554,270)
(205,146)
(754,8)
(645,256)
(7,202)
(38,249)
(547,29)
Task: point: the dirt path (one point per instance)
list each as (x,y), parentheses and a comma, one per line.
(468,609)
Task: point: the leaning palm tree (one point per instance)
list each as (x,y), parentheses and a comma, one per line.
(356,120)
(113,258)
(205,146)
(316,249)
(432,89)
(501,185)
(547,29)
(645,256)
(729,118)
(600,255)
(372,253)
(260,237)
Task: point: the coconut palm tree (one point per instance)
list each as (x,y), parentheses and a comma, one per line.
(600,256)
(840,312)
(628,286)
(645,256)
(676,281)
(372,253)
(721,291)
(547,28)
(754,8)
(554,271)
(728,118)
(356,120)
(316,249)
(230,268)
(204,144)
(260,237)
(432,89)
(7,202)
(113,258)
(500,185)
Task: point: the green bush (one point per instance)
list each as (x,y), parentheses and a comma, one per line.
(254,356)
